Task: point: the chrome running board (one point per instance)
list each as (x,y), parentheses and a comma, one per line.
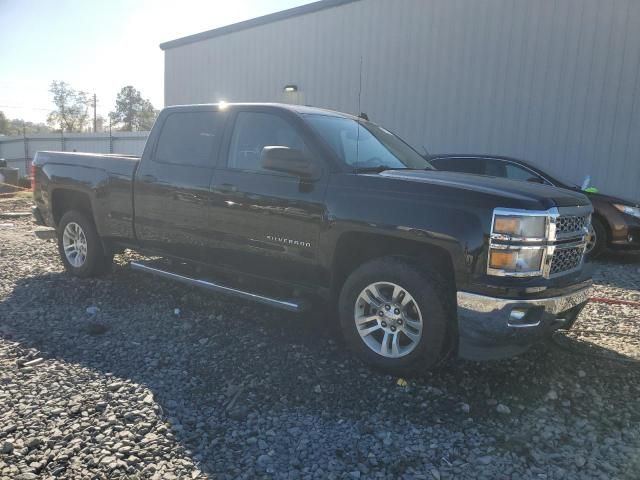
(215,287)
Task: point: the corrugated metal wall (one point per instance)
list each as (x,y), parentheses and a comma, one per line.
(13,149)
(556,82)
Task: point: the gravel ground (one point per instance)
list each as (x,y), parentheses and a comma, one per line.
(104,378)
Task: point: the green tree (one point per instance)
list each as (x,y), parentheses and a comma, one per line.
(132,113)
(72,108)
(4,124)
(16,126)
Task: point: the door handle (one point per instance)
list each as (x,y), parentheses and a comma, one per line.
(226,187)
(147,178)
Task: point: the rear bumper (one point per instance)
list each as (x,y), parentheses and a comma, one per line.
(493,328)
(37,216)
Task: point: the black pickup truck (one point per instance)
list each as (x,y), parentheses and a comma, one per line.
(299,207)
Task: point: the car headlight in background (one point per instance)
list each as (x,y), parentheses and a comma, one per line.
(533,227)
(522,260)
(628,209)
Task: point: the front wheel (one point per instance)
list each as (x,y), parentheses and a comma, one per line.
(394,315)
(80,247)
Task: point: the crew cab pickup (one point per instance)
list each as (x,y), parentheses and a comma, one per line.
(298,207)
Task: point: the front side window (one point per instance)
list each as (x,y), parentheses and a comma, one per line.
(362,144)
(255,130)
(190,138)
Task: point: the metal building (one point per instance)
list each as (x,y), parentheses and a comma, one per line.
(556,82)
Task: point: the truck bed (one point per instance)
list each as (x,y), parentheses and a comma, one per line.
(99,183)
(107,162)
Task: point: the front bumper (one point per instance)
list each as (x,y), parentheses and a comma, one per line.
(492,328)
(629,239)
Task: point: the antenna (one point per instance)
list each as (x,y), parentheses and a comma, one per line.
(359,110)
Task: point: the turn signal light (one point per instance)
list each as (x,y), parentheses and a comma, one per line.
(503,260)
(508,225)
(524,261)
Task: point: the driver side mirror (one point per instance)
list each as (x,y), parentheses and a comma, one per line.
(288,160)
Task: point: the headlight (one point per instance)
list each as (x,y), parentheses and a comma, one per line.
(523,261)
(520,226)
(629,210)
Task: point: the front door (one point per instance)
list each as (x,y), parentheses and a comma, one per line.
(269,222)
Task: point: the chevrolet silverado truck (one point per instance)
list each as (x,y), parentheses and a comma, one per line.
(298,207)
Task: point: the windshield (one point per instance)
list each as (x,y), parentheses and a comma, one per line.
(561,181)
(365,145)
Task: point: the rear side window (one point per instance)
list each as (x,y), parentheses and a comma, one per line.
(255,130)
(462,165)
(190,138)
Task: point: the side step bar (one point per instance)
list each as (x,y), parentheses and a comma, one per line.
(215,287)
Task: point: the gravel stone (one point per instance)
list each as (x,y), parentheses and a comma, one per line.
(270,394)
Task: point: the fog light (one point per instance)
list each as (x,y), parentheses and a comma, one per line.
(524,317)
(517,315)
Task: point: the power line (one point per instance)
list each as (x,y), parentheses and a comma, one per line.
(26,108)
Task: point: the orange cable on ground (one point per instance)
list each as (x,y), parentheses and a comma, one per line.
(614,301)
(14,192)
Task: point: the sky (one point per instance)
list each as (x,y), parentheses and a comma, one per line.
(100,46)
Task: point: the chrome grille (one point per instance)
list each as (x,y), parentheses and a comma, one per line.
(568,224)
(565,259)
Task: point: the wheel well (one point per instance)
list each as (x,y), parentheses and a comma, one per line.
(63,200)
(605,224)
(355,248)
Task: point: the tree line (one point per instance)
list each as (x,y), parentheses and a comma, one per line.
(73,112)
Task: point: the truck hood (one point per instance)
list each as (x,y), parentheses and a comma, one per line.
(526,192)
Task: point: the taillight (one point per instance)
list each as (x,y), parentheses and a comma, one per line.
(33,177)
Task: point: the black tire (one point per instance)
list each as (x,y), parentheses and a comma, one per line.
(97,261)
(433,297)
(601,237)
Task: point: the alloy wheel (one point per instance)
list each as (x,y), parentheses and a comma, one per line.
(388,319)
(74,242)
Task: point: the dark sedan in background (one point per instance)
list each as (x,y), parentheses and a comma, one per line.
(616,221)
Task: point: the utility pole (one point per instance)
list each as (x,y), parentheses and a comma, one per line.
(27,167)
(110,137)
(95,121)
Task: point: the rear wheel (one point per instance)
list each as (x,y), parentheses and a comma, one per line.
(80,247)
(394,315)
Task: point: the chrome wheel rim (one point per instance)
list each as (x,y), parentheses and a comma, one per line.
(388,319)
(74,243)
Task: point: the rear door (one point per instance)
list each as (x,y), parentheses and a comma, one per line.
(268,222)
(172,183)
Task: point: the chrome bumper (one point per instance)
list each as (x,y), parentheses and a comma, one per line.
(491,328)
